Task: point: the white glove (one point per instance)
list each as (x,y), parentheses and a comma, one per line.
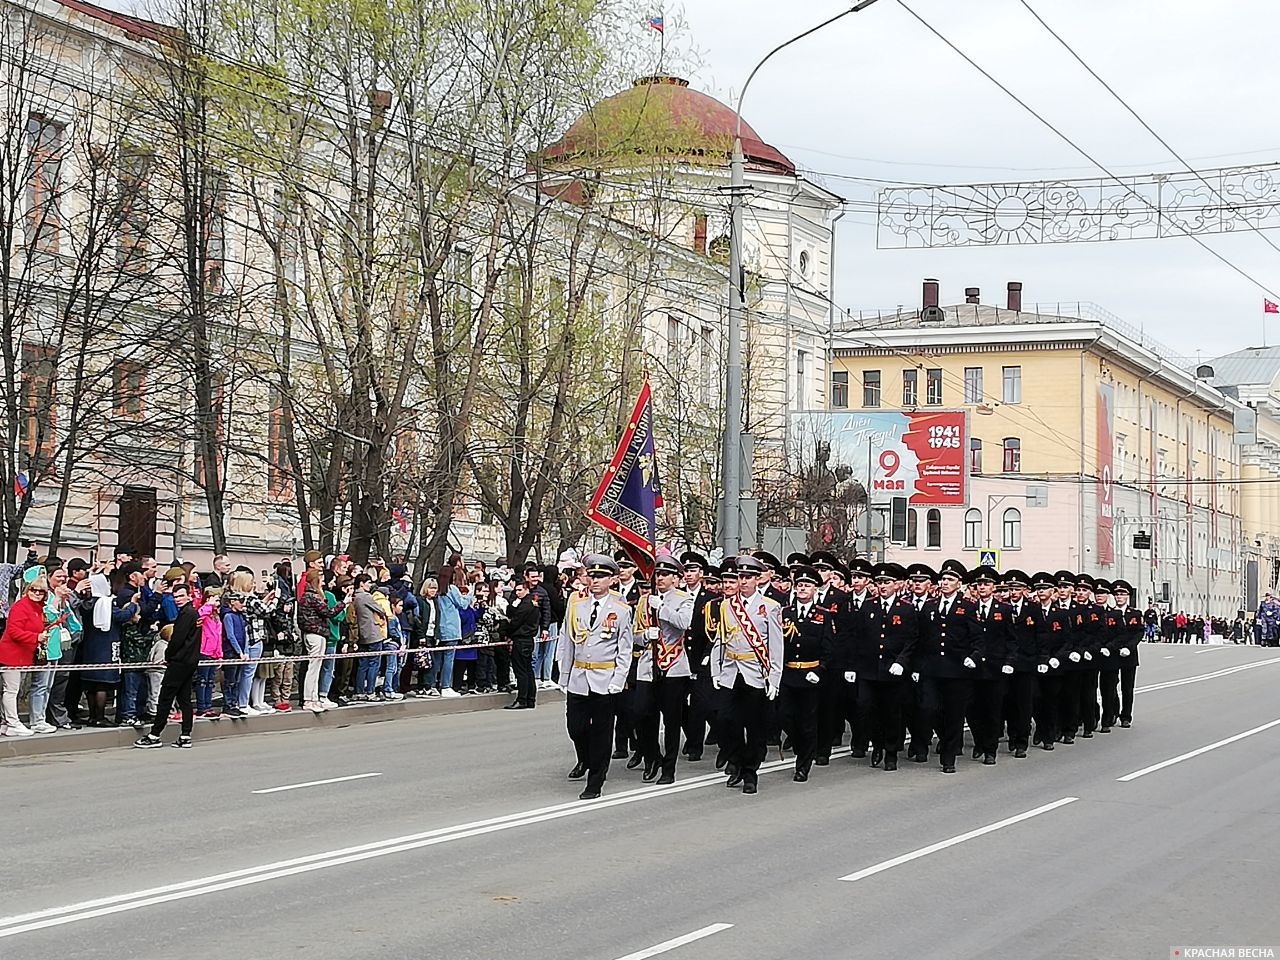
(1124,651)
(968,662)
(895,669)
(655,602)
(1006,669)
(1043,668)
(1073,657)
(850,676)
(915,677)
(562,687)
(614,688)
(715,683)
(1088,655)
(812,677)
(706,660)
(771,693)
(1106,652)
(1054,663)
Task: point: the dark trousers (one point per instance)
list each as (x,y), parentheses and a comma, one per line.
(502,665)
(1018,696)
(917,718)
(1128,674)
(175,687)
(622,725)
(589,718)
(522,664)
(838,705)
(945,700)
(880,712)
(798,708)
(744,730)
(700,712)
(660,700)
(1108,683)
(1048,707)
(1069,702)
(986,706)
(1089,700)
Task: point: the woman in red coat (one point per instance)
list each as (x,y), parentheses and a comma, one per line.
(22,634)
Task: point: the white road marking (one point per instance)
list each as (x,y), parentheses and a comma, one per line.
(1169,657)
(1194,753)
(1226,671)
(944,844)
(671,944)
(120,903)
(318,783)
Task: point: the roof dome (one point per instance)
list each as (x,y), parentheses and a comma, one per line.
(662,115)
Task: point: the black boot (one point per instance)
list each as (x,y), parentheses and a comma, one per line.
(891,759)
(578,772)
(651,771)
(635,761)
(876,756)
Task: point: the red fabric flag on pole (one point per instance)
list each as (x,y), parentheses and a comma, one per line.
(1270,306)
(624,502)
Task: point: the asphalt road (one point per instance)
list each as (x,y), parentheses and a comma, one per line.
(469,844)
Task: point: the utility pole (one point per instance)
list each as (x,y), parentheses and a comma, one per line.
(733,458)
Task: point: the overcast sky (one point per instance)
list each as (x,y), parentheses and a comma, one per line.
(877,96)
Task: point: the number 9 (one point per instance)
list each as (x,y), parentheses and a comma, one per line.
(889,462)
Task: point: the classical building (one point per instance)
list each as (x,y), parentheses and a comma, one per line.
(1086,446)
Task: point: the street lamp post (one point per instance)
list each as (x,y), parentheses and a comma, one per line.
(732,455)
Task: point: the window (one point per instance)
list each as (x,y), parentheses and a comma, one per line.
(910,388)
(933,529)
(1012,535)
(215,234)
(840,389)
(871,388)
(933,387)
(973,529)
(128,389)
(913,523)
(279,482)
(44,218)
(673,341)
(1012,455)
(135,207)
(700,233)
(710,367)
(1012,379)
(975,455)
(972,384)
(39,395)
(802,380)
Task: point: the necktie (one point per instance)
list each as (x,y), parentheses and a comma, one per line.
(595,611)
(804,612)
(986,611)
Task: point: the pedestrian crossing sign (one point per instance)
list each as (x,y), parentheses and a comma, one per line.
(989,558)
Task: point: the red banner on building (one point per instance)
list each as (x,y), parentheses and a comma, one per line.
(938,441)
(1106,497)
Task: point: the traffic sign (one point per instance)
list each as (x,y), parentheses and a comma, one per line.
(1142,540)
(989,558)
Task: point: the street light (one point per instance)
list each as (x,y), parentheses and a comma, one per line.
(730,535)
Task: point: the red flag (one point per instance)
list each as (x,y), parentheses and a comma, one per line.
(1270,306)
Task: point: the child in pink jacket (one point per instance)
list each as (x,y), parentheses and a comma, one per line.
(210,649)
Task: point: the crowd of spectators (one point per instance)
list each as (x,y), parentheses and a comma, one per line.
(259,644)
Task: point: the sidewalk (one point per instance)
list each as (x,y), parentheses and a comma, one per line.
(109,738)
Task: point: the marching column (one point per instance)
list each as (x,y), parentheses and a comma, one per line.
(946,662)
(1133,631)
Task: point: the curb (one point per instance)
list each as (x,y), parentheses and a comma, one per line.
(109,738)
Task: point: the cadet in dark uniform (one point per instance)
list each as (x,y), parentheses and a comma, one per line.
(1086,631)
(595,657)
(1055,622)
(994,653)
(808,641)
(882,658)
(947,664)
(628,588)
(1133,632)
(840,696)
(772,566)
(1030,651)
(1109,637)
(920,580)
(1072,660)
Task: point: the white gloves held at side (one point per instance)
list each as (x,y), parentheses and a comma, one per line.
(915,677)
(968,662)
(850,676)
(1124,651)
(1105,652)
(1073,657)
(614,688)
(1043,668)
(1088,655)
(812,677)
(895,669)
(1054,662)
(1006,669)
(771,693)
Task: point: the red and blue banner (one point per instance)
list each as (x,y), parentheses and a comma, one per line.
(626,501)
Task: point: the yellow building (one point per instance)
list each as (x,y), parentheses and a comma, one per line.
(1080,436)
